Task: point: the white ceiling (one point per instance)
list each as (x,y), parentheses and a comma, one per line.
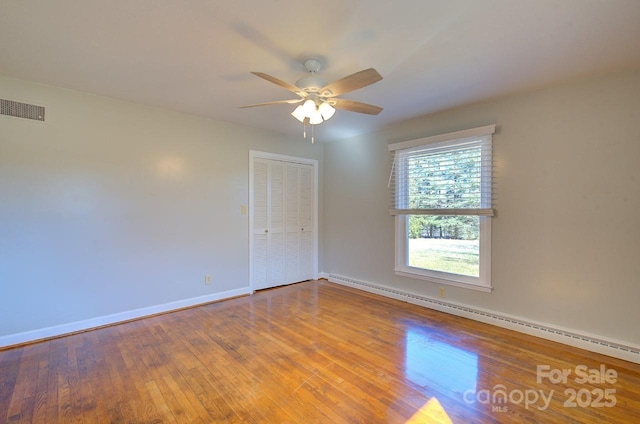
(195,56)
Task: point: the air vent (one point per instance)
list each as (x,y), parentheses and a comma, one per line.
(21,110)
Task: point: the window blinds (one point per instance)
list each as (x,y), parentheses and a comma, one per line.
(449,174)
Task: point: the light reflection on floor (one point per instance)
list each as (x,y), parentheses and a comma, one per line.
(431,412)
(433,364)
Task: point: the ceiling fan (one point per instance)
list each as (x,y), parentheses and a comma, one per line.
(318,100)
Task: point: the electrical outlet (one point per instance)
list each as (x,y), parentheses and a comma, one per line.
(442,292)
(207,279)
(243,209)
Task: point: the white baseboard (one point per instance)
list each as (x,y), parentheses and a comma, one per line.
(324,275)
(590,342)
(73,327)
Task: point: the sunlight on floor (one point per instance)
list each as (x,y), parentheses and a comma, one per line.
(436,365)
(430,412)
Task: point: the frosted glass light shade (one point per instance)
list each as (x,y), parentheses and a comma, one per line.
(326,110)
(309,107)
(315,118)
(299,113)
(314,113)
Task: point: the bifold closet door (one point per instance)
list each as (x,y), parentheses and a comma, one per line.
(306,223)
(268,220)
(283,223)
(299,216)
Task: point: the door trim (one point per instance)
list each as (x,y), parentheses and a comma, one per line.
(255,154)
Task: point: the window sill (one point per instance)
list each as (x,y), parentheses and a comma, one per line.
(405,273)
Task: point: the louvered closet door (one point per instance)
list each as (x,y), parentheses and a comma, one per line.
(306,211)
(276,224)
(292,236)
(260,228)
(299,223)
(268,224)
(283,223)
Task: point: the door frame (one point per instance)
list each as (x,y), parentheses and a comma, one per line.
(255,154)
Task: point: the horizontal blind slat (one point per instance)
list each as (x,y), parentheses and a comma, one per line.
(470,212)
(446,178)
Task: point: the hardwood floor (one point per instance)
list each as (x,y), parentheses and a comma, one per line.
(306,353)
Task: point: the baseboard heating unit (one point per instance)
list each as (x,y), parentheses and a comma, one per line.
(577,339)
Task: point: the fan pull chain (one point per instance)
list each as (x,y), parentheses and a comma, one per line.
(304,131)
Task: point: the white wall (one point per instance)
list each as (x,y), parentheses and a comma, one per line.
(110,206)
(566,238)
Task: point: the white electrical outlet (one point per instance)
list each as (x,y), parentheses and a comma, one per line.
(207,279)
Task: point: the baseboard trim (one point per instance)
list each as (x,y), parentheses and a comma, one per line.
(590,342)
(26,337)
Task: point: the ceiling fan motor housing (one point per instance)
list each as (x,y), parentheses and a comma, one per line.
(311,84)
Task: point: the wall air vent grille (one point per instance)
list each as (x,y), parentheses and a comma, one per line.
(21,110)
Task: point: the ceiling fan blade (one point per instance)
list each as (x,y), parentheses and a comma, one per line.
(281,83)
(356,106)
(278,102)
(351,83)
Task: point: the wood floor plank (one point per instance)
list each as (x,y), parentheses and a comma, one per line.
(305,353)
(25,385)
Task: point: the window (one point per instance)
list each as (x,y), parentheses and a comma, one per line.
(442,201)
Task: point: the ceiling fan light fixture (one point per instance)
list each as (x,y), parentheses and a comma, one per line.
(315,118)
(299,113)
(309,107)
(326,110)
(317,99)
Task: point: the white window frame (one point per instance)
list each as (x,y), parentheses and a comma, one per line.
(483,281)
